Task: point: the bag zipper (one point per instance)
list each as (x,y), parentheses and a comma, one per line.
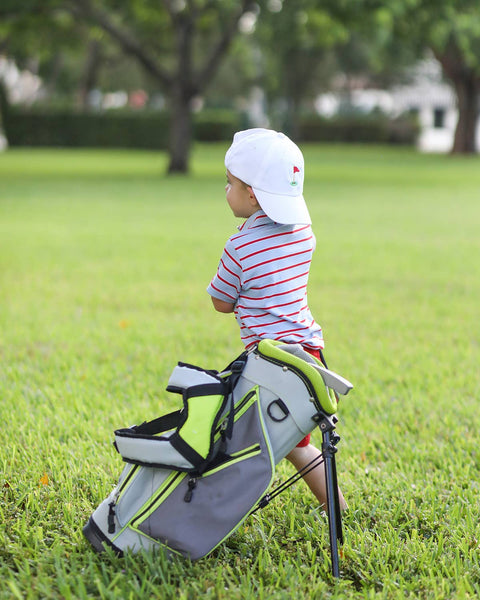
(253,450)
(239,456)
(126,481)
(221,428)
(116,497)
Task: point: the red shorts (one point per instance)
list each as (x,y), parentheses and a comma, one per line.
(306,439)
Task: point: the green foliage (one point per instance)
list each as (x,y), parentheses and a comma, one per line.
(112,129)
(438,24)
(149,130)
(216,125)
(357,128)
(36,31)
(104,263)
(115,129)
(179,45)
(310,47)
(450,30)
(294,41)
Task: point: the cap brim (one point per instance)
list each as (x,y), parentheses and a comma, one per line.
(287,210)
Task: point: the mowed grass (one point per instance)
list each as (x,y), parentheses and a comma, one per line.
(104,263)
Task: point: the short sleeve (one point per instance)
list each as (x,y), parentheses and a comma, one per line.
(227,282)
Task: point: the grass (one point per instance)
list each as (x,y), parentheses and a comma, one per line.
(104,263)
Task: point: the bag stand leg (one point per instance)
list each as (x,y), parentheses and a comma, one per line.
(329,441)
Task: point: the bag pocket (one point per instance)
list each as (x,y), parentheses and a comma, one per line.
(143,488)
(203,511)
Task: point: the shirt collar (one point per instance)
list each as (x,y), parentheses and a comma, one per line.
(258,219)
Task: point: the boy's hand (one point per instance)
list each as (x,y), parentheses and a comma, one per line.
(222,306)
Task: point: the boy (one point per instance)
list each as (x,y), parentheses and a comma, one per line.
(263,272)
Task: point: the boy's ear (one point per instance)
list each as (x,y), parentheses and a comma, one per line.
(253,198)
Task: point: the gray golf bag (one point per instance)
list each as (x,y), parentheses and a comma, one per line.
(194,475)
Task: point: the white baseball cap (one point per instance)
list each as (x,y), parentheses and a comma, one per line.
(273,166)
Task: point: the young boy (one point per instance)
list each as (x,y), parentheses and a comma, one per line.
(263,272)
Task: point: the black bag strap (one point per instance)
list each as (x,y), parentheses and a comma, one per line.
(159,425)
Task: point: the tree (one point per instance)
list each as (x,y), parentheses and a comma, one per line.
(448,28)
(180,43)
(49,42)
(307,44)
(295,37)
(451,30)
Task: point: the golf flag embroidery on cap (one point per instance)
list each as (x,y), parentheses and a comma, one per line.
(295,170)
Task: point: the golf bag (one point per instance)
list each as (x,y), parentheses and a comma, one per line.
(194,475)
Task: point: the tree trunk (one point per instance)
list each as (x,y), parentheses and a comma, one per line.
(466,81)
(90,72)
(54,74)
(181,132)
(292,120)
(468,96)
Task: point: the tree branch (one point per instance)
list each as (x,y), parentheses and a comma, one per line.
(209,69)
(85,9)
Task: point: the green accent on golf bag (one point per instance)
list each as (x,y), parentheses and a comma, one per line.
(202,411)
(324,396)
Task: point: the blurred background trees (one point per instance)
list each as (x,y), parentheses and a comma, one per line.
(270,59)
(451,30)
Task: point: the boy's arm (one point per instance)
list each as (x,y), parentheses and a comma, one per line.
(221,305)
(224,289)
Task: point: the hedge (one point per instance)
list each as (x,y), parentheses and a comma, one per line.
(215,125)
(149,129)
(372,128)
(121,129)
(42,128)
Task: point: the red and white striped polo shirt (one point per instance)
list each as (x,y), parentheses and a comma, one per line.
(264,272)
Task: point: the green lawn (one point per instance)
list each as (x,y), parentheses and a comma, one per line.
(104,263)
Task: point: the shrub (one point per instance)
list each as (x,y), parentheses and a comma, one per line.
(374,128)
(84,129)
(112,129)
(216,125)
